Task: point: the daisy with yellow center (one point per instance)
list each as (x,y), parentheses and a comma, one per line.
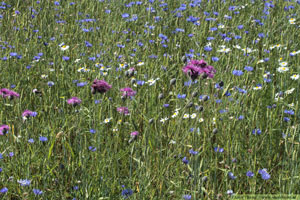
(295,77)
(107,120)
(174,114)
(282,69)
(193,116)
(64,47)
(283,64)
(292,20)
(186,116)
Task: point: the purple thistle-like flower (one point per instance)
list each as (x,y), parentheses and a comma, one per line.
(196,67)
(4,129)
(100,86)
(4,92)
(133,136)
(74,101)
(128,92)
(192,71)
(123,110)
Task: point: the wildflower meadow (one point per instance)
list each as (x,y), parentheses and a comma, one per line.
(150,99)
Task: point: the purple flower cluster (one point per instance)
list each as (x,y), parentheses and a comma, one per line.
(123,110)
(100,86)
(127,92)
(6,93)
(74,101)
(196,67)
(4,129)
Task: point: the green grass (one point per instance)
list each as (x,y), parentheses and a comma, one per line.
(151,165)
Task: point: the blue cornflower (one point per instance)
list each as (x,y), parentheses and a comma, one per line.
(256,131)
(261,35)
(264,174)
(215,59)
(231,176)
(207,48)
(81,84)
(50,83)
(217,149)
(91,148)
(127,193)
(139,82)
(31,140)
(37,191)
(250,174)
(237,72)
(24,182)
(185,160)
(43,139)
(125,15)
(286,119)
(290,112)
(92,131)
(241,117)
(4,190)
(218,101)
(66,58)
(191,151)
(248,68)
(87,44)
(187,197)
(181,96)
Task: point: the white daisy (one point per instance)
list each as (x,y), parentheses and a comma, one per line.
(186,116)
(63,47)
(163,120)
(295,77)
(292,20)
(140,63)
(283,64)
(83,69)
(257,88)
(223,50)
(282,69)
(201,120)
(107,120)
(193,116)
(174,114)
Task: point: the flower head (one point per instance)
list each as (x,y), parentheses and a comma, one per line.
(28,113)
(264,174)
(37,191)
(196,67)
(123,110)
(4,129)
(8,93)
(74,101)
(100,86)
(24,182)
(128,92)
(127,193)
